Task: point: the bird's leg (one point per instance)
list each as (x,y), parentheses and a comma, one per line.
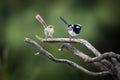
(46,37)
(70,37)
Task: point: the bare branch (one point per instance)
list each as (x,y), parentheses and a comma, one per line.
(116,70)
(75,51)
(71,63)
(85,57)
(72,40)
(105,56)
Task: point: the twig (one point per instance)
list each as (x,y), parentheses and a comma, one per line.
(71,63)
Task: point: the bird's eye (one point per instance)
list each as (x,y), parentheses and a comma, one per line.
(69,25)
(50,26)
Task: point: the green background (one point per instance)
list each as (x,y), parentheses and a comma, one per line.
(101,27)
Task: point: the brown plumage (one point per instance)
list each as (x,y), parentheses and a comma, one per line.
(48,29)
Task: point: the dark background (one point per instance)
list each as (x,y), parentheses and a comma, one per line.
(101,27)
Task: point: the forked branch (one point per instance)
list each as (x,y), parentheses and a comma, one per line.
(108,63)
(66,61)
(72,40)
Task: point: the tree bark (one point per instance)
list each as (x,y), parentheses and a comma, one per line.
(106,66)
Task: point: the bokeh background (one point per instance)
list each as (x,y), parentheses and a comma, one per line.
(101,27)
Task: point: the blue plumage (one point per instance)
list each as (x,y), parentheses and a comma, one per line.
(76,28)
(64,21)
(73,29)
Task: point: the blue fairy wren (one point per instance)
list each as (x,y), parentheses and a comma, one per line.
(73,29)
(48,29)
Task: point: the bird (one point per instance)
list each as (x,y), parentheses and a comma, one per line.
(48,29)
(73,29)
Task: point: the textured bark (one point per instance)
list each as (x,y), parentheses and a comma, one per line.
(100,61)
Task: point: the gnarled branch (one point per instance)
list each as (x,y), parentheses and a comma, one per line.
(79,41)
(72,40)
(66,61)
(106,66)
(105,55)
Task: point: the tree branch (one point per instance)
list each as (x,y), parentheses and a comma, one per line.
(75,51)
(79,41)
(105,56)
(86,58)
(72,40)
(71,63)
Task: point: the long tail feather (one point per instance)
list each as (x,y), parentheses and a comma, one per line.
(64,21)
(39,18)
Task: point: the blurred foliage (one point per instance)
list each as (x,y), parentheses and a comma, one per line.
(101,27)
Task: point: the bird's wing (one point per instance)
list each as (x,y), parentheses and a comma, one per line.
(39,18)
(64,21)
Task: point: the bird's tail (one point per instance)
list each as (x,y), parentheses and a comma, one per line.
(64,21)
(39,18)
